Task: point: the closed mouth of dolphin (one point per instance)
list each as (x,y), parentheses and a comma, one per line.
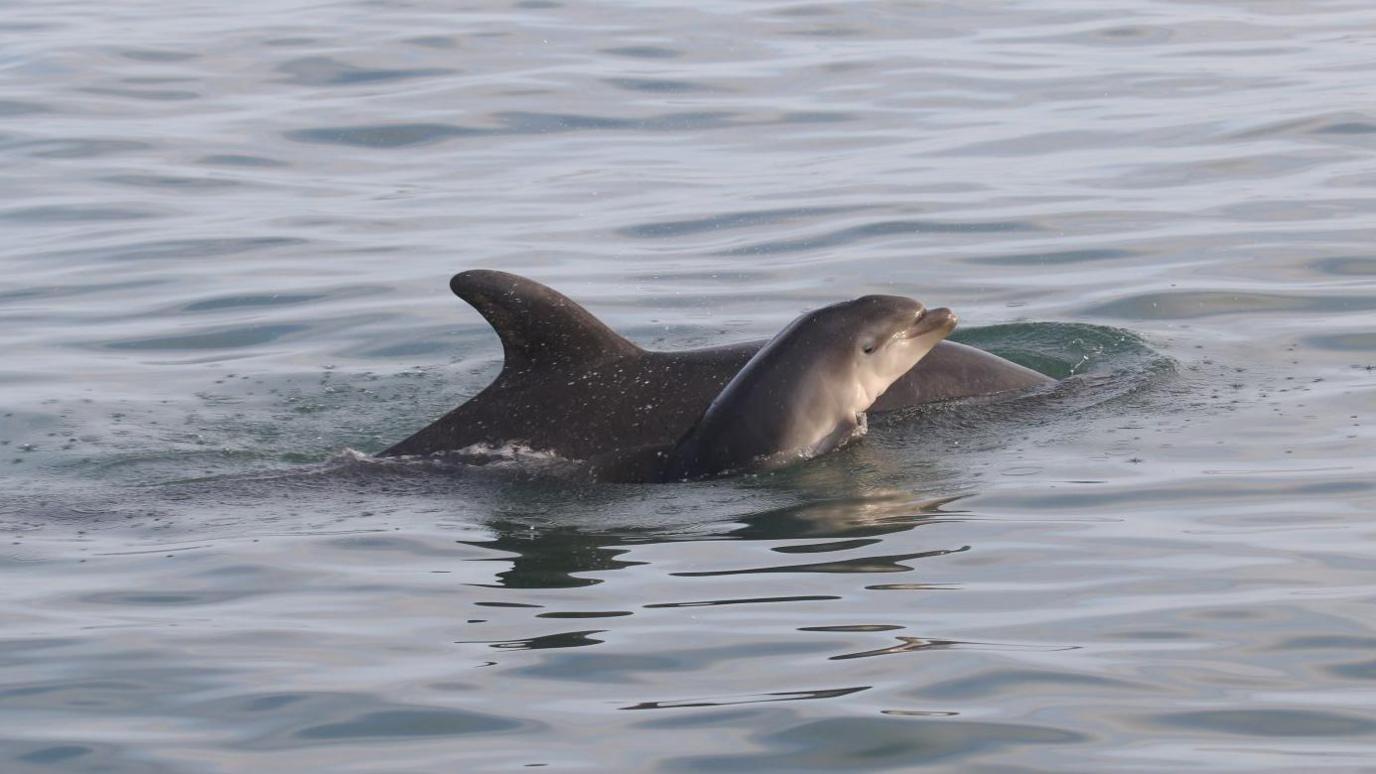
(929,320)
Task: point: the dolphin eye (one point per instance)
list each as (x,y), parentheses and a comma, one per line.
(868,348)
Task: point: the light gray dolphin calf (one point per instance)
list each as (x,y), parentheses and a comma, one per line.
(806,391)
(572,386)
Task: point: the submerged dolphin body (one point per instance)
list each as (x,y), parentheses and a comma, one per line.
(572,386)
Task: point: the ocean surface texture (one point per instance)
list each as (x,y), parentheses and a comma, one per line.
(227,234)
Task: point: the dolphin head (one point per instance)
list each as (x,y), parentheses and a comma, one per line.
(807,387)
(892,334)
(877,339)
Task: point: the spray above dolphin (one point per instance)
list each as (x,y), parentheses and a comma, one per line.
(572,386)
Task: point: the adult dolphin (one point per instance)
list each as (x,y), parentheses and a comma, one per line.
(573,386)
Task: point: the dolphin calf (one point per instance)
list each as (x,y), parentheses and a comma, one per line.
(572,386)
(805,392)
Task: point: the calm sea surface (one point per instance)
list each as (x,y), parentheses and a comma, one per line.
(227,231)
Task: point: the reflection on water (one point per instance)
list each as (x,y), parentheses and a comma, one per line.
(228,239)
(562,557)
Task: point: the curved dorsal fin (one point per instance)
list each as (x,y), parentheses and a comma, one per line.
(538,326)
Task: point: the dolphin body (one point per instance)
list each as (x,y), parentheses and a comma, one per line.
(806,391)
(572,386)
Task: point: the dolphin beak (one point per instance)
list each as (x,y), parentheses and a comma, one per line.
(941,320)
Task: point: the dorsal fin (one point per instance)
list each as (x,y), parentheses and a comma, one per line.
(538,326)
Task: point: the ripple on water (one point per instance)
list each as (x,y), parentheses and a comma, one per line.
(295,719)
(174,249)
(644,52)
(1054,257)
(172,181)
(991,683)
(516,122)
(151,95)
(432,41)
(328,71)
(875,743)
(659,85)
(865,564)
(1347,266)
(60,213)
(185,598)
(74,756)
(559,640)
(227,337)
(1348,127)
(1345,342)
(237,302)
(728,220)
(240,160)
(857,234)
(12,108)
(1333,125)
(159,55)
(1268,722)
(1190,304)
(736,699)
(406,723)
(77,147)
(71,289)
(381,135)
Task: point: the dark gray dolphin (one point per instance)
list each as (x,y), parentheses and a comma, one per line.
(805,392)
(572,386)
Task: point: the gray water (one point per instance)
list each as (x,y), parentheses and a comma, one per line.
(227,233)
